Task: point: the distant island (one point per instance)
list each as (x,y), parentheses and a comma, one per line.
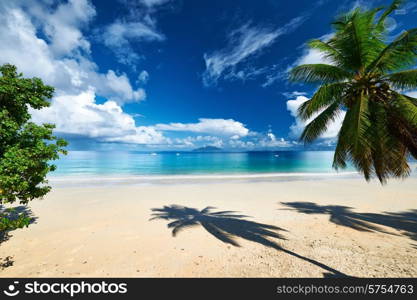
(208,149)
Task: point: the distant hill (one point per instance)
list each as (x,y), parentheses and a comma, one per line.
(208,149)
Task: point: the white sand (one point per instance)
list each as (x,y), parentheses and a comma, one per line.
(106,231)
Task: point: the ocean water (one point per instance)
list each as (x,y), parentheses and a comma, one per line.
(93,168)
(93,163)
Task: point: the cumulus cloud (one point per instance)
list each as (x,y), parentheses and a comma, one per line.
(47,42)
(199,140)
(119,88)
(221,127)
(105,122)
(294,94)
(298,126)
(253,141)
(271,141)
(313,56)
(62,26)
(244,145)
(243,42)
(63,66)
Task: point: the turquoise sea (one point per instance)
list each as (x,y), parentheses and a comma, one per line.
(91,163)
(96,168)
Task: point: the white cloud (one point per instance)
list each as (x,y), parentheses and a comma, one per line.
(48,43)
(239,144)
(250,142)
(294,94)
(62,26)
(138,25)
(298,126)
(120,35)
(313,56)
(270,141)
(221,127)
(104,122)
(70,72)
(120,86)
(143,77)
(200,140)
(242,43)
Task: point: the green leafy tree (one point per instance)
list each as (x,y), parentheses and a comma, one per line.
(25,148)
(366,77)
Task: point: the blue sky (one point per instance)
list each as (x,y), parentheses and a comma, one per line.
(173,74)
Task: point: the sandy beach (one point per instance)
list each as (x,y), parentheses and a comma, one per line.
(307,228)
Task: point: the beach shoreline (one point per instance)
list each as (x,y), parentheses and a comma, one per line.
(321,228)
(181,179)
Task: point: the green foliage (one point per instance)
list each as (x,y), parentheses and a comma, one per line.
(366,78)
(319,73)
(25,147)
(11,219)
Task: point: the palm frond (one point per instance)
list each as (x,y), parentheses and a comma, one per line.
(403,80)
(319,125)
(324,96)
(400,53)
(319,73)
(387,151)
(406,107)
(329,52)
(411,99)
(357,40)
(402,115)
(353,138)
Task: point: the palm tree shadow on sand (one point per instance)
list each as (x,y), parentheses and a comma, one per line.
(227,226)
(405,222)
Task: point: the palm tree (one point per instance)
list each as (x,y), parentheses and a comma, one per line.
(366,78)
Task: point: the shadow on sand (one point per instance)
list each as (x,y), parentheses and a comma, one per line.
(405,222)
(5,235)
(226,226)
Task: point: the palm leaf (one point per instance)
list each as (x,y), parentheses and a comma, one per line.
(329,52)
(398,54)
(353,138)
(319,125)
(403,80)
(325,95)
(319,73)
(357,40)
(387,151)
(406,107)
